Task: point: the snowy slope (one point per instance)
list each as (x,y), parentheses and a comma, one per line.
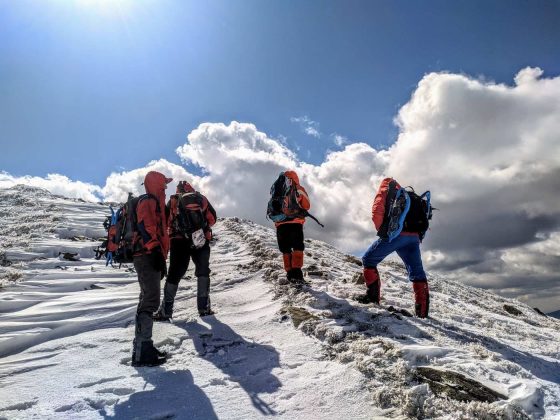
(311,352)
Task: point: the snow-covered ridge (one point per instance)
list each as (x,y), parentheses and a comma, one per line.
(273,349)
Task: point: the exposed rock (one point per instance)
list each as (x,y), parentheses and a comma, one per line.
(358,278)
(537,310)
(456,386)
(298,315)
(354,260)
(401,311)
(512,310)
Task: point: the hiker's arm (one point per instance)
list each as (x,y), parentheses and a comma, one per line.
(147,223)
(378,208)
(210,214)
(303,199)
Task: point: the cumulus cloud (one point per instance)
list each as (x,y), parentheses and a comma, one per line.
(119,184)
(308,126)
(56,184)
(489,152)
(491,155)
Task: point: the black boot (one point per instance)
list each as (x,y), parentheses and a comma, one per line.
(149,356)
(143,351)
(165,311)
(372,295)
(203,298)
(295,275)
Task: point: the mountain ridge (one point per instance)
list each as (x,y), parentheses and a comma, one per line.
(473,340)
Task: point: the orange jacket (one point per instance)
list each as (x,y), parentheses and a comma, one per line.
(303,199)
(151,219)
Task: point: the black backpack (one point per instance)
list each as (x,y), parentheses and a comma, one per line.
(190,214)
(419,214)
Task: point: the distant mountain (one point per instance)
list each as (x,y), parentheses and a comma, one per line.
(555,314)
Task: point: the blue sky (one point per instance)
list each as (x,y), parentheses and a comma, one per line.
(89,87)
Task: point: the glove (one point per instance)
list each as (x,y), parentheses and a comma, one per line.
(158,261)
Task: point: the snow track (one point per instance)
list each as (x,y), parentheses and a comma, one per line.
(273,349)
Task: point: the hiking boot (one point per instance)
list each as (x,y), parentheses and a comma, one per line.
(206,312)
(421,298)
(159,316)
(165,311)
(295,275)
(374,292)
(202,298)
(149,355)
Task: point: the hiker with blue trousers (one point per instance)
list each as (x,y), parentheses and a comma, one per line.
(401,220)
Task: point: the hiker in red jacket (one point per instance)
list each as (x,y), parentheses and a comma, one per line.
(191,217)
(406,244)
(152,241)
(289,233)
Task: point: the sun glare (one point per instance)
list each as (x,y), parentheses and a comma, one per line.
(107,7)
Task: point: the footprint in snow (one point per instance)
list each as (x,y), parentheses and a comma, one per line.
(116,391)
(100,381)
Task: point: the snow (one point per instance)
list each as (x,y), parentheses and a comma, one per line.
(308,352)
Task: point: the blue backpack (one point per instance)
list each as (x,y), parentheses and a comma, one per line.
(408,211)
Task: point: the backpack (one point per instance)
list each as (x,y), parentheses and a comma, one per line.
(191,220)
(283,204)
(405,210)
(419,214)
(121,229)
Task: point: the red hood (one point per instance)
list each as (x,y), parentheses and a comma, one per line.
(155,183)
(293,176)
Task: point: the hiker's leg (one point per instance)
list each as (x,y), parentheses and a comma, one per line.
(298,245)
(178,265)
(411,256)
(201,260)
(284,245)
(409,251)
(372,257)
(149,279)
(179,257)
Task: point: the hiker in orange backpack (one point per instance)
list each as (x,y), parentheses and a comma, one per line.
(152,244)
(191,217)
(288,208)
(401,218)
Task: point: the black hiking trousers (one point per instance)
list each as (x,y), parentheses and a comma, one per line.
(290,237)
(181,253)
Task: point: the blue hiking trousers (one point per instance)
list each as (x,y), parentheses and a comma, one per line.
(406,246)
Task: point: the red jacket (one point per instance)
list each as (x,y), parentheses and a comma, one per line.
(303,199)
(206,207)
(151,218)
(378,207)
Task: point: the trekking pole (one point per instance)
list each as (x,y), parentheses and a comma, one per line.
(314,218)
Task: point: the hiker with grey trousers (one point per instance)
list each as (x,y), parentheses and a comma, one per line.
(191,217)
(151,242)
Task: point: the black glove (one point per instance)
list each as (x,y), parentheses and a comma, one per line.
(158,261)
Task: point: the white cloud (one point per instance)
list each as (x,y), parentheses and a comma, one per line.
(119,184)
(308,126)
(339,140)
(489,153)
(56,184)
